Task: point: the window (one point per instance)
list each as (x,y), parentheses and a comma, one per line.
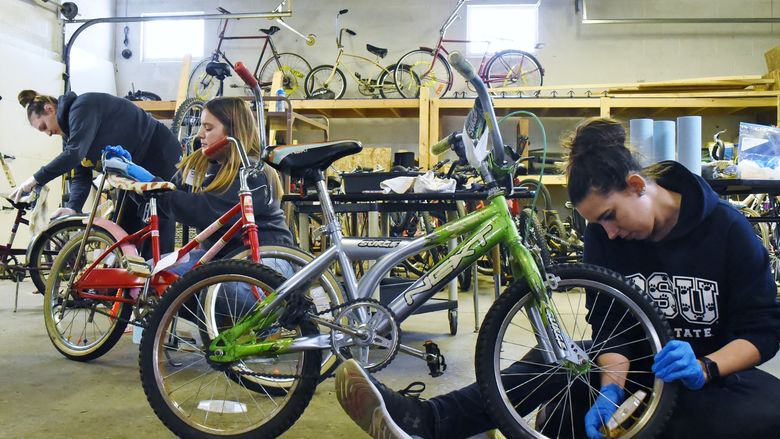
(505,26)
(170,40)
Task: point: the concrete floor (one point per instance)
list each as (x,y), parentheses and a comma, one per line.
(43,395)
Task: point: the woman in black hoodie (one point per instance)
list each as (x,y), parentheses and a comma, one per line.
(698,258)
(88,123)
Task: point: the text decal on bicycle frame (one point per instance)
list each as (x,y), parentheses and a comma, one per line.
(448,265)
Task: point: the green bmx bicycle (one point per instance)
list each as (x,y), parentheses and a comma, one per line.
(217,363)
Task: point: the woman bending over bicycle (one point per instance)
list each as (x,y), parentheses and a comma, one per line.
(666,230)
(212,177)
(88,123)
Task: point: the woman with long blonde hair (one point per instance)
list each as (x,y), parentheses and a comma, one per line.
(211,173)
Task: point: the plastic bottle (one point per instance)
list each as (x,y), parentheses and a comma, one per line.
(280,104)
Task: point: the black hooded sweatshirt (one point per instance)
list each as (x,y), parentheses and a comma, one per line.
(201,209)
(90,122)
(710,276)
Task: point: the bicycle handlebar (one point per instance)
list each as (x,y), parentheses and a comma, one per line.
(463,67)
(245,75)
(442,146)
(251,81)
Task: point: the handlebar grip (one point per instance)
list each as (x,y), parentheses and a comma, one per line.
(351,32)
(214,147)
(343,11)
(442,146)
(247,77)
(463,67)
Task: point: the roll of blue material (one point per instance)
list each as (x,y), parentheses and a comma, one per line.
(689,141)
(641,138)
(663,140)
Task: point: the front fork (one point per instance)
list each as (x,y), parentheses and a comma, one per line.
(554,342)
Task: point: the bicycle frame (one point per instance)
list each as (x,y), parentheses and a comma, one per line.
(366,82)
(94,277)
(485,228)
(266,44)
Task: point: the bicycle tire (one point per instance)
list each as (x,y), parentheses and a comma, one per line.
(388,88)
(328,283)
(315,82)
(167,347)
(294,69)
(45,247)
(533,234)
(439,79)
(74,338)
(501,70)
(141,95)
(186,123)
(201,85)
(543,409)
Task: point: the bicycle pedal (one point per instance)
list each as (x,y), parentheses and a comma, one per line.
(435,360)
(137,265)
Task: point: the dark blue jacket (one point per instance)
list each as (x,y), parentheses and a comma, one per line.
(710,276)
(91,121)
(199,210)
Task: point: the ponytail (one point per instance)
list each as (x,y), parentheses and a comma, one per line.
(34,102)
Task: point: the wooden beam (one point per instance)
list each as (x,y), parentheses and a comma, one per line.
(184,78)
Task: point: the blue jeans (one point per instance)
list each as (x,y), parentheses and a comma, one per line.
(279,265)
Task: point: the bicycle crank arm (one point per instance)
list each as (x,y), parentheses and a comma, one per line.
(331,325)
(416,353)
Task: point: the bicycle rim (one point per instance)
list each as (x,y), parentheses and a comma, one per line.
(294,69)
(513,69)
(195,397)
(539,399)
(81,328)
(437,77)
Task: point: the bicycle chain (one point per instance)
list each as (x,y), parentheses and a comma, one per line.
(294,376)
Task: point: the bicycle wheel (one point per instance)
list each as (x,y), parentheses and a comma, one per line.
(387,81)
(45,248)
(83,329)
(317,87)
(513,68)
(533,235)
(195,397)
(186,123)
(325,292)
(201,85)
(531,397)
(436,75)
(294,69)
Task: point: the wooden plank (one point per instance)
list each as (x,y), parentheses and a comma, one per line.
(184,78)
(732,81)
(424,156)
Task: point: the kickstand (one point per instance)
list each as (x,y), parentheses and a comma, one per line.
(16,297)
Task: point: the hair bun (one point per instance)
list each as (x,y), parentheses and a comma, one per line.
(26,97)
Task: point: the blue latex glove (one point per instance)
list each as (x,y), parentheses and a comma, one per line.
(602,409)
(676,361)
(117,151)
(125,168)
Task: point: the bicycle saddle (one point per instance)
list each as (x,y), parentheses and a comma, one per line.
(296,160)
(270,31)
(25,202)
(218,70)
(141,188)
(378,51)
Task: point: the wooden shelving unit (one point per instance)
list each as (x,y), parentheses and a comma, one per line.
(764,105)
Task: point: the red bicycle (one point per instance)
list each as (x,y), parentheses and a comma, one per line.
(431,68)
(98,283)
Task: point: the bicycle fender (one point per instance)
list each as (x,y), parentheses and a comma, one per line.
(433,49)
(62,219)
(116,232)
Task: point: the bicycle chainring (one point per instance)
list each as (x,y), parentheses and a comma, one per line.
(373,338)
